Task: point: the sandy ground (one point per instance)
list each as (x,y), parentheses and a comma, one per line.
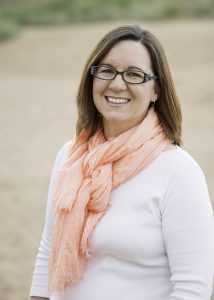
(39,75)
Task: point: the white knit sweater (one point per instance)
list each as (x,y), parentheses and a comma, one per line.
(155,242)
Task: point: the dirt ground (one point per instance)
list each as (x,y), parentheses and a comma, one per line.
(39,74)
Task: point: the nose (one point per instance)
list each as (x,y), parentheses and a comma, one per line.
(117,84)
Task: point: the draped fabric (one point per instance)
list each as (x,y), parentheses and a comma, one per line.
(82,193)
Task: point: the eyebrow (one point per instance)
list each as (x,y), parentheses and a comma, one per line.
(129,67)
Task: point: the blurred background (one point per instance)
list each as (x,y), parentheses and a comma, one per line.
(43,48)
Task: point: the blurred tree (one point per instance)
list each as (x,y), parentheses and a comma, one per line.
(14,13)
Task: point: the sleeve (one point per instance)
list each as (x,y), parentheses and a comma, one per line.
(39,286)
(188,231)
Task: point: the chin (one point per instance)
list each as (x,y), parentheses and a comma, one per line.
(116,118)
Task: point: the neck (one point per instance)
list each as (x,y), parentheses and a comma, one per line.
(112,129)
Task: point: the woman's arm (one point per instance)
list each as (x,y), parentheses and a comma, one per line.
(188,230)
(39,287)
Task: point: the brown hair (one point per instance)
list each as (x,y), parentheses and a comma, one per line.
(167,106)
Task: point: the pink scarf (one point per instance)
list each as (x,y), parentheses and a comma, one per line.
(83,190)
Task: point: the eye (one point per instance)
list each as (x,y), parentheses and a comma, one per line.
(105,70)
(134,74)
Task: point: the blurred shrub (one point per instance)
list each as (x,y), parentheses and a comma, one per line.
(35,12)
(8,29)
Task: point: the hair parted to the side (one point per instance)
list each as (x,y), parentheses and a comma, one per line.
(167,105)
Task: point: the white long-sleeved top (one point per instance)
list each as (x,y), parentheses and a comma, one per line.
(155,242)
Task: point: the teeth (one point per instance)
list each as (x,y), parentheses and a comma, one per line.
(117,100)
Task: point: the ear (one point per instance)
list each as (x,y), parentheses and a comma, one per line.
(156,91)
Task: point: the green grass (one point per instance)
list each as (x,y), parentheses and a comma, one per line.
(16,13)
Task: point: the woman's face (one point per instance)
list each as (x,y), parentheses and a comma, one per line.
(134,98)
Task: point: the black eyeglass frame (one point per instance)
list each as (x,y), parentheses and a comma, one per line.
(147,76)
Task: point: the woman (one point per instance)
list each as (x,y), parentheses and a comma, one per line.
(128,212)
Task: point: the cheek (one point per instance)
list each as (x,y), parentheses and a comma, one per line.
(146,93)
(98,90)
(98,87)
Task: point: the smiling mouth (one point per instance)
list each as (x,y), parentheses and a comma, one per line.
(117,100)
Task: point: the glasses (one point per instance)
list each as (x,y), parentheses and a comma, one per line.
(131,75)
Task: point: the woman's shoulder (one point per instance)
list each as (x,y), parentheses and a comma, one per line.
(181,162)
(63,153)
(64,148)
(186,184)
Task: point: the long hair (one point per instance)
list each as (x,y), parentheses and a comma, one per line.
(167,106)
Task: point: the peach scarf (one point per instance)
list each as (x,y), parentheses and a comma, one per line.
(82,195)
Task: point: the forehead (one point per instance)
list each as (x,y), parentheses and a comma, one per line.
(128,53)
